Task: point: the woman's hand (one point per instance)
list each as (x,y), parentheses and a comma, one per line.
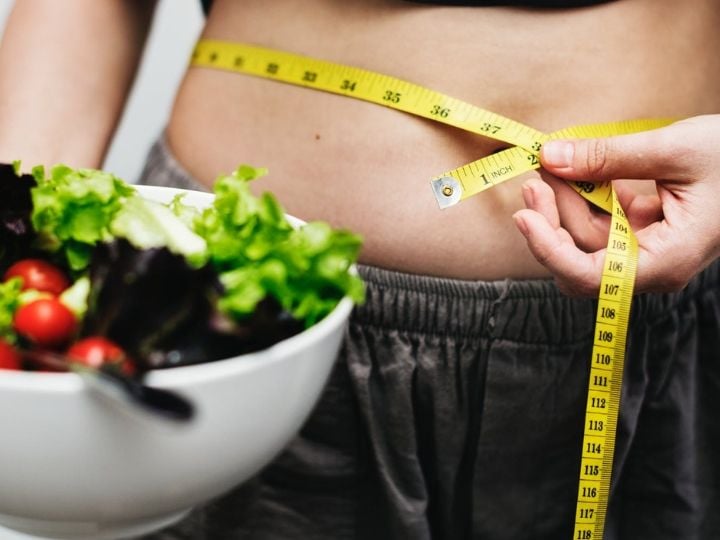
(677,226)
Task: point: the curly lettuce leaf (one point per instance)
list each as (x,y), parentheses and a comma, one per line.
(76,209)
(240,228)
(73,210)
(149,224)
(260,255)
(186,213)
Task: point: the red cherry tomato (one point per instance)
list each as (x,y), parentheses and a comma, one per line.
(9,357)
(95,351)
(47,322)
(39,275)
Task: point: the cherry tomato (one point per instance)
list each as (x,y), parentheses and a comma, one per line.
(47,322)
(9,357)
(95,351)
(39,275)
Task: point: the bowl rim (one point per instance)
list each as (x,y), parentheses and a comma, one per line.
(195,373)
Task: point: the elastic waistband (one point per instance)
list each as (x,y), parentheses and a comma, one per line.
(528,311)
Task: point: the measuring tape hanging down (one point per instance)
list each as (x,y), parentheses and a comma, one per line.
(616,287)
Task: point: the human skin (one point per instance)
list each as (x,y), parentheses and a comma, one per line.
(65,71)
(366,167)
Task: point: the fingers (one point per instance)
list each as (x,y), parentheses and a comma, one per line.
(577,273)
(642,209)
(664,265)
(539,196)
(587,225)
(660,153)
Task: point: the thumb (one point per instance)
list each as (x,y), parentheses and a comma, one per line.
(662,153)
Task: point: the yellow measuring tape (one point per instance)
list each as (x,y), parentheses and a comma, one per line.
(616,288)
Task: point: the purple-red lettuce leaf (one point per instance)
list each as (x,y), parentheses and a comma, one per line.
(16,230)
(162,311)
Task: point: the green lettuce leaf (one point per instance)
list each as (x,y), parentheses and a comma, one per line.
(259,254)
(73,210)
(148,224)
(9,302)
(186,213)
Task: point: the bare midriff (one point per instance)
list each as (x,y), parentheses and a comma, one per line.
(367,168)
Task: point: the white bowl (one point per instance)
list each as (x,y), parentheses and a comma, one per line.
(73,465)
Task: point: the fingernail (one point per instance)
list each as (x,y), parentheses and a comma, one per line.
(520,224)
(558,153)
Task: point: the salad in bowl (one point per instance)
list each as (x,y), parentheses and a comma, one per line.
(94,270)
(219,297)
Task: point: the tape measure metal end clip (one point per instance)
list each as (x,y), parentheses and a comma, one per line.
(447,190)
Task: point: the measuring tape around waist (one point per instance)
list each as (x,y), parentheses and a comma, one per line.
(616,288)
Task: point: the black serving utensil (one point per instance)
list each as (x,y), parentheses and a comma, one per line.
(121,388)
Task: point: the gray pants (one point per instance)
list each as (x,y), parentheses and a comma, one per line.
(456,410)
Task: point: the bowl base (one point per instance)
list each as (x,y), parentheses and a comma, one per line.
(86,530)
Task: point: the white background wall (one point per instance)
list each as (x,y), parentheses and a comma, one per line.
(175,29)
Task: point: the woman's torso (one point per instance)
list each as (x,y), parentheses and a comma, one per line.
(366,167)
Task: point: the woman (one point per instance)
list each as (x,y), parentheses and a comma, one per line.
(456,407)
